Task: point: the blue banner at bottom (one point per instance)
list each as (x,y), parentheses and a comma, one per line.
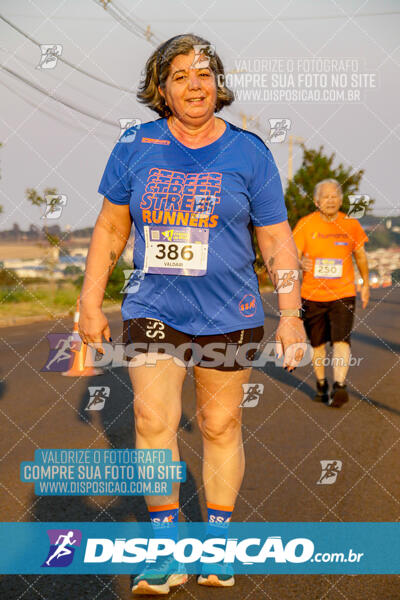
(249,548)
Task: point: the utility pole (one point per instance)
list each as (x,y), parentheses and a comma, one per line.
(293,139)
(246,118)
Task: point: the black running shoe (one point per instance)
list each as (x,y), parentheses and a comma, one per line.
(322,394)
(339,395)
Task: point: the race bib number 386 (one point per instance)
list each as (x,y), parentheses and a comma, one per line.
(328,268)
(176,250)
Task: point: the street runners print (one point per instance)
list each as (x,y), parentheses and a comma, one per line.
(181,199)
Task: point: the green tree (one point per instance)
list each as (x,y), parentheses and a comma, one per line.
(9,278)
(54,242)
(315,167)
(396,277)
(1,208)
(72,270)
(36,200)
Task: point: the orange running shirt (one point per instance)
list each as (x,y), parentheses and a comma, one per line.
(330,245)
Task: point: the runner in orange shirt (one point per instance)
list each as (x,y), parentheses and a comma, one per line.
(326,241)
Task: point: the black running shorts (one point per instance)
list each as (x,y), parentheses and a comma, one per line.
(225,352)
(330,321)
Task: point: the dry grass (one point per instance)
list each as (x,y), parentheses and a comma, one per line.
(21,250)
(40,300)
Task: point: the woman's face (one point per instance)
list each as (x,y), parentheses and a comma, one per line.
(190,92)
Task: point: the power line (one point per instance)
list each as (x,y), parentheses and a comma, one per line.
(225,20)
(60,58)
(44,111)
(126,21)
(279,19)
(50,73)
(57,98)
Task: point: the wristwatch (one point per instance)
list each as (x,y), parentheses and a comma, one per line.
(291,312)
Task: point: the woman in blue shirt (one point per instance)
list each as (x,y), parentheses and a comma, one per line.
(195,186)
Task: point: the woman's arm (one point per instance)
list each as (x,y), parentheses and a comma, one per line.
(111,232)
(280,256)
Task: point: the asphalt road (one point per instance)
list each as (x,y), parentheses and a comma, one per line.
(286,436)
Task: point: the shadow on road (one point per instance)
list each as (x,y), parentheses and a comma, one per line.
(374,340)
(3,387)
(293,380)
(376,403)
(281,376)
(117,421)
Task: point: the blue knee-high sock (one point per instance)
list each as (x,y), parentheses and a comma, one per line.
(165,520)
(218,520)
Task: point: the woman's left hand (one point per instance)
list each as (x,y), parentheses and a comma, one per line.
(291,341)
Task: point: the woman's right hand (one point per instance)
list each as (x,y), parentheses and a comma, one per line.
(92,326)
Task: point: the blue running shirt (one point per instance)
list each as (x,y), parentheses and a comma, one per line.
(193,212)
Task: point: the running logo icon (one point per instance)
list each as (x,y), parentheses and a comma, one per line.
(285,280)
(98,397)
(62,547)
(279,129)
(330,471)
(128,130)
(202,55)
(54,206)
(204,205)
(59,353)
(251,394)
(133,278)
(50,55)
(358,205)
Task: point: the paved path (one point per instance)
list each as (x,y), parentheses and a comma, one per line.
(286,436)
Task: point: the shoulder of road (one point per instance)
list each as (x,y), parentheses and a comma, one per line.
(13,321)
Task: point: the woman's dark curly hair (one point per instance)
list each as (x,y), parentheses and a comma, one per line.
(157,70)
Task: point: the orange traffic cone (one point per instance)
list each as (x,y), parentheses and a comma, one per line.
(78,353)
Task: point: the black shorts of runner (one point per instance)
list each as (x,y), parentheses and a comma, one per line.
(232,351)
(330,321)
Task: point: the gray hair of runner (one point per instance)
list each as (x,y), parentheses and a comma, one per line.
(319,185)
(157,69)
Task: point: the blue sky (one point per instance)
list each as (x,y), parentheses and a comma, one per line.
(47,144)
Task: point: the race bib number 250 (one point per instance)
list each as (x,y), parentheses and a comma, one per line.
(328,268)
(176,250)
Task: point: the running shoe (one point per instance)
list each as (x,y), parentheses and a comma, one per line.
(159,577)
(217,575)
(339,395)
(322,394)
